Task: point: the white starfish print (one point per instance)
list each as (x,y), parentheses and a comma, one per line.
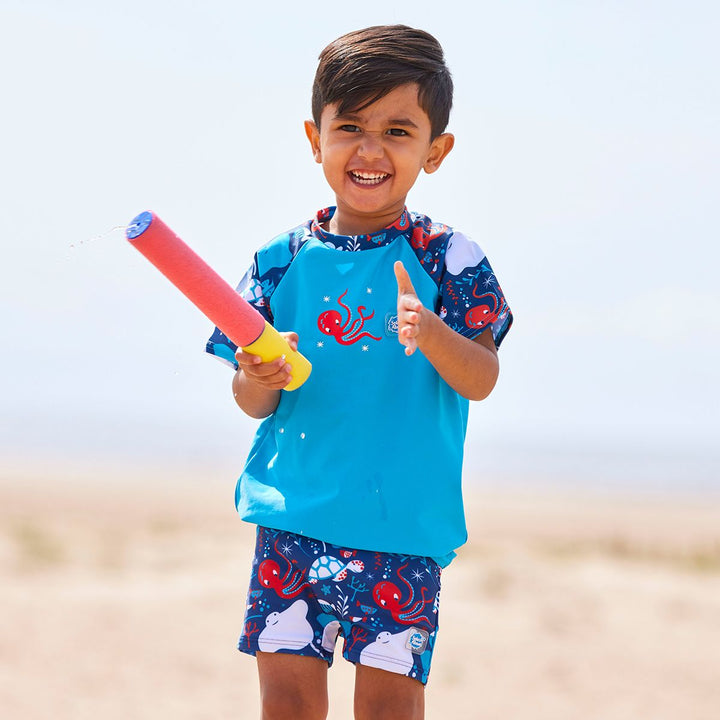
(365,348)
(326,298)
(369,291)
(287,549)
(321,344)
(417,575)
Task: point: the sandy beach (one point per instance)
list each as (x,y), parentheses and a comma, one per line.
(122,598)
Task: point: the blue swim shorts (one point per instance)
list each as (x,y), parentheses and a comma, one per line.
(304,593)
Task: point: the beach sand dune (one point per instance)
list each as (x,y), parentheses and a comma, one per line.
(123,598)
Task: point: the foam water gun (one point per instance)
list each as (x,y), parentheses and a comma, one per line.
(214,297)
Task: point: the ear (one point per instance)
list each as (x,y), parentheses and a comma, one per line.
(439,148)
(313,135)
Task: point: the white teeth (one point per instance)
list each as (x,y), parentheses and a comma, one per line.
(367,178)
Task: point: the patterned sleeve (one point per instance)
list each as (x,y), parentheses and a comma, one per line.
(471,298)
(257,286)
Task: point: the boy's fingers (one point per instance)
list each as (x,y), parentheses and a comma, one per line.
(292,340)
(271,378)
(410,345)
(254,366)
(275,367)
(244,358)
(405,286)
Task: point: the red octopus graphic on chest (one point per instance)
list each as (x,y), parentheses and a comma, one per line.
(345,328)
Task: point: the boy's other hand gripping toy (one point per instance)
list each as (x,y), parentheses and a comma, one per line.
(214,297)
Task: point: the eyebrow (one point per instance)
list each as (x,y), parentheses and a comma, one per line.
(395,122)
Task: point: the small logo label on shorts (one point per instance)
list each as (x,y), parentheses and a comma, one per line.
(391,325)
(417,641)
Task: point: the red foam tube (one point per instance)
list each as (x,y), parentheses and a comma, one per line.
(212,295)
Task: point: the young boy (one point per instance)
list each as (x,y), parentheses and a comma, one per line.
(354,479)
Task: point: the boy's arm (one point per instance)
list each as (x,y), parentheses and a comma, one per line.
(256,385)
(470,367)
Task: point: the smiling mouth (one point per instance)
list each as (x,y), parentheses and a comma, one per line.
(368,178)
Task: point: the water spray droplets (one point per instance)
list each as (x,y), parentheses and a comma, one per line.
(100,236)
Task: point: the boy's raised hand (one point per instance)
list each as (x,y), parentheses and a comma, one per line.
(409,310)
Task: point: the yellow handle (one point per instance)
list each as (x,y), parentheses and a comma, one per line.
(271,345)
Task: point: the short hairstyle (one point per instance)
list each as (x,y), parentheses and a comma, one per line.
(363,66)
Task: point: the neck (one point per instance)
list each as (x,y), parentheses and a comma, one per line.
(344,222)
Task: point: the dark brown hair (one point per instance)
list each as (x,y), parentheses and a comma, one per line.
(359,68)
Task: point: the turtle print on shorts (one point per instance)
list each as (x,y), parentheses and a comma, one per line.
(305,593)
(328,567)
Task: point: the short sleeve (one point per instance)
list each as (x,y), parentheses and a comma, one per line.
(470,295)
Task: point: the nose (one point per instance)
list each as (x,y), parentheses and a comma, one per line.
(370,147)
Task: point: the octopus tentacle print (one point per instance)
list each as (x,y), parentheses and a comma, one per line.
(346,331)
(486,312)
(408,611)
(289,585)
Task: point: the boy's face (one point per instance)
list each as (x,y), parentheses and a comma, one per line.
(372,157)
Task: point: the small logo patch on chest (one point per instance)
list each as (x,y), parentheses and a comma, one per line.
(391,324)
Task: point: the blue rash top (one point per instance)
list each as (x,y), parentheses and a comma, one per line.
(367,453)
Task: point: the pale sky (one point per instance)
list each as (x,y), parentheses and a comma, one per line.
(587,166)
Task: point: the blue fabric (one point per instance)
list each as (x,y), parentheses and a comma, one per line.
(368,452)
(304,593)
